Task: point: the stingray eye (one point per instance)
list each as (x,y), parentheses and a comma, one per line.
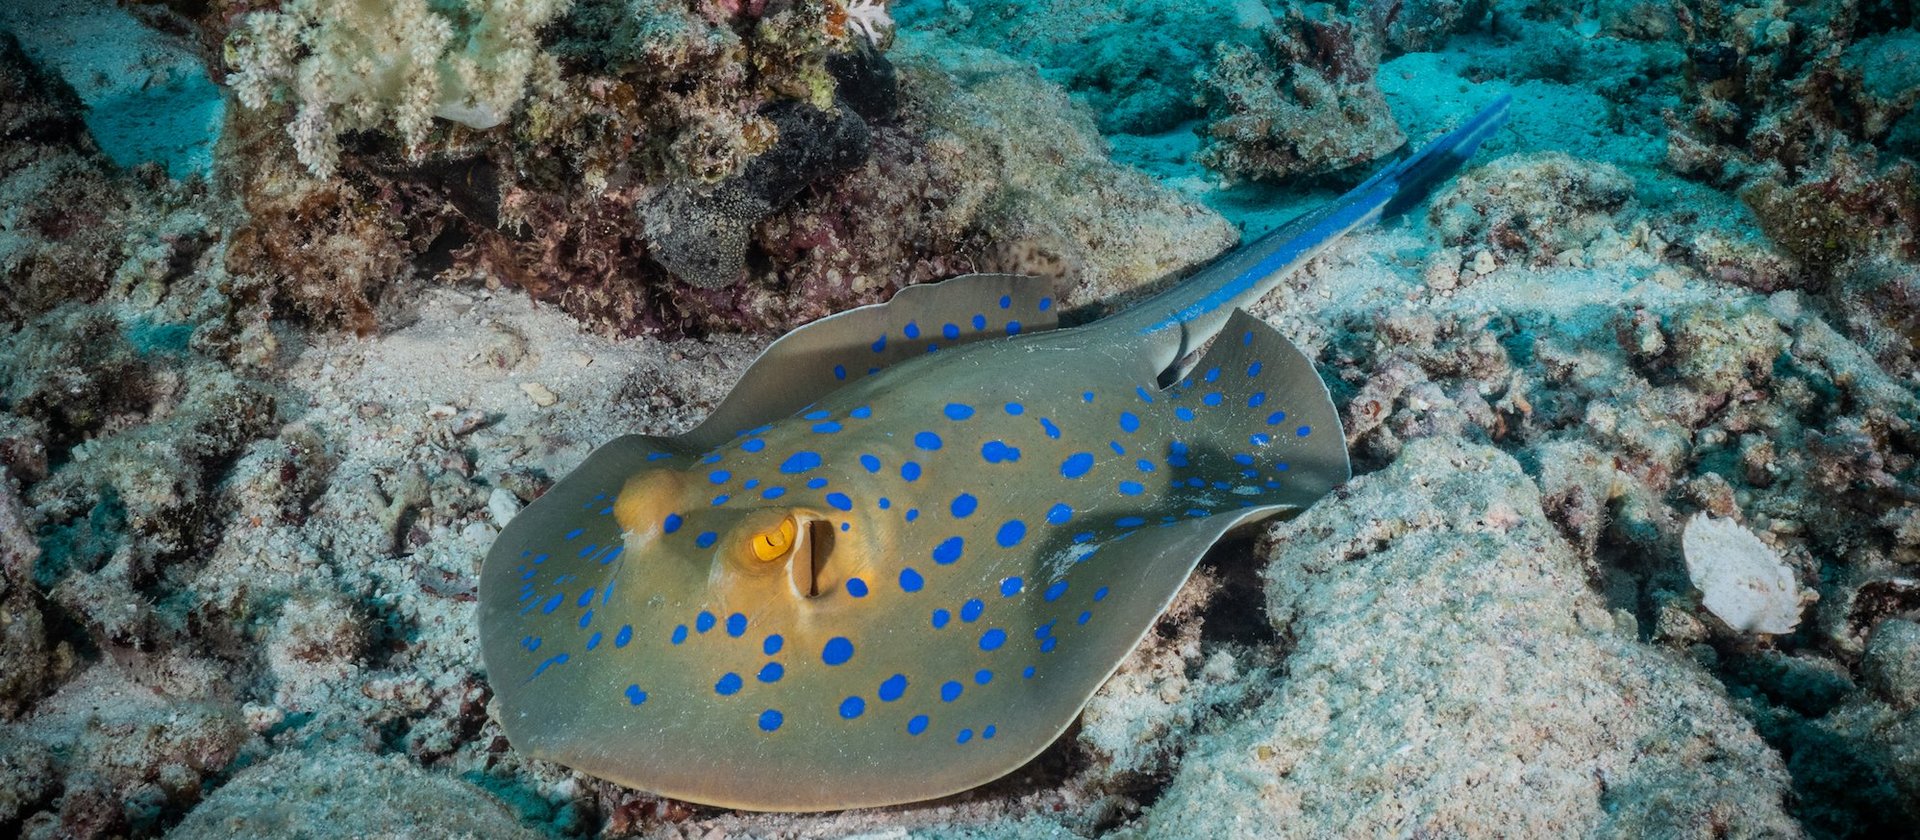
(773,543)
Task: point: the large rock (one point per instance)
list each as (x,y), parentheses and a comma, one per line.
(1454,675)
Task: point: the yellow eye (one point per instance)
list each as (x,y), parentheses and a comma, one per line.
(772,544)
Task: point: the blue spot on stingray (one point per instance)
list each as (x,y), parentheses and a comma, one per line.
(1051,430)
(1016,409)
(880,344)
(586,619)
(964,736)
(1276,418)
(861,413)
(1059,514)
(951,331)
(917,725)
(1084,617)
(771,672)
(736,625)
(816,483)
(1006,301)
(1027,672)
(892,688)
(1011,533)
(1144,396)
(910,471)
(1048,644)
(721,499)
(668,525)
(993,639)
(994,452)
(575,533)
(839,501)
(885,503)
(1131,488)
(1303,431)
(964,505)
(912,514)
(1129,422)
(972,609)
(910,580)
(635,696)
(1253,369)
(1213,374)
(950,691)
(837,651)
(982,676)
(1100,594)
(1243,459)
(826,428)
(706,539)
(531,643)
(773,644)
(680,634)
(957,411)
(927,440)
(948,550)
(1086,396)
(773,492)
(1144,465)
(870,462)
(753,445)
(728,684)
(1054,591)
(987,733)
(1076,465)
(1116,447)
(840,371)
(800,462)
(940,618)
(625,635)
(912,330)
(852,707)
(1130,521)
(1013,328)
(720,476)
(593,641)
(770,720)
(856,587)
(1011,586)
(1046,303)
(1259,439)
(552,603)
(704,621)
(979,322)
(1184,413)
(1212,399)
(817,415)
(585,598)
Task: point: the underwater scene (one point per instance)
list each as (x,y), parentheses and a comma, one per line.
(959,418)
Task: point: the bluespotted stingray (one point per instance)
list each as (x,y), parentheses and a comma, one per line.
(897,559)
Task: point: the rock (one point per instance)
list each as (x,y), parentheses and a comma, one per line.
(340,793)
(1892,664)
(1454,675)
(1742,580)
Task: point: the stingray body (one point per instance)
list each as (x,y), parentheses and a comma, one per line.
(904,551)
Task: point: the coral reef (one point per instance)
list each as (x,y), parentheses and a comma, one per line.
(257,429)
(1306,105)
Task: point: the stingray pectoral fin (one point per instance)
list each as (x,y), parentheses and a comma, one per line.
(551,569)
(806,364)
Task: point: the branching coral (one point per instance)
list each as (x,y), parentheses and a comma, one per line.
(373,65)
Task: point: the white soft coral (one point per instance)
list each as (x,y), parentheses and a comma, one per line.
(357,65)
(869,18)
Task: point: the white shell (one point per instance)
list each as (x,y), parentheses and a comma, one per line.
(1741,580)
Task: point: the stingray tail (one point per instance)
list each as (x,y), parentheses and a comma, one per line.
(1182,317)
